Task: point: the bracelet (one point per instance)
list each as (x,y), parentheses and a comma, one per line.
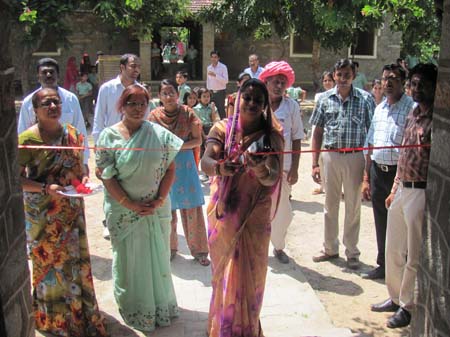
(123,199)
(161,198)
(217,169)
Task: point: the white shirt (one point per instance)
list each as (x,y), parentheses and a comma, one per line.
(254,74)
(218,82)
(288,114)
(70,113)
(106,113)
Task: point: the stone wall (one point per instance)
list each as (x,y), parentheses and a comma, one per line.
(433,312)
(15,313)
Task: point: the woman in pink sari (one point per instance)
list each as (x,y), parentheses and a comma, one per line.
(71,77)
(239,213)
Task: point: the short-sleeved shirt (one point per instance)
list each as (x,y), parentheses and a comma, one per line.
(360,81)
(345,123)
(386,129)
(204,112)
(83,88)
(294,92)
(288,114)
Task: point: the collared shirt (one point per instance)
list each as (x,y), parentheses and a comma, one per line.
(182,90)
(360,80)
(386,129)
(288,114)
(70,114)
(204,112)
(254,74)
(218,82)
(294,92)
(106,113)
(345,123)
(413,162)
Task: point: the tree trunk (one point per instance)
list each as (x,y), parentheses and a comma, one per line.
(433,310)
(25,69)
(315,65)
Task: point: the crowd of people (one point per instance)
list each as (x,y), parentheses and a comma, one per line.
(372,145)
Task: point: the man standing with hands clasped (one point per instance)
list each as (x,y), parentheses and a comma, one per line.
(406,202)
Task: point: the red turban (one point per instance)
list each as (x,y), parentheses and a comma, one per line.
(278,68)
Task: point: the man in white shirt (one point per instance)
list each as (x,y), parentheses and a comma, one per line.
(255,69)
(216,81)
(278,76)
(106,113)
(48,71)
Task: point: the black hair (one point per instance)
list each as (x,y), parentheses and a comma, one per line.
(125,57)
(356,63)
(376,81)
(214,52)
(47,62)
(168,82)
(186,96)
(342,63)
(397,68)
(183,73)
(201,91)
(35,98)
(241,76)
(427,70)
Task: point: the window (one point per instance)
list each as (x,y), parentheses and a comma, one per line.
(48,47)
(366,45)
(301,46)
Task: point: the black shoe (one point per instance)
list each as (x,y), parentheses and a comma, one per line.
(400,319)
(385,306)
(375,274)
(281,256)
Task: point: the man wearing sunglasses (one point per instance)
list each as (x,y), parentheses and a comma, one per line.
(47,72)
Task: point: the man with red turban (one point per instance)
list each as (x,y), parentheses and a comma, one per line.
(278,76)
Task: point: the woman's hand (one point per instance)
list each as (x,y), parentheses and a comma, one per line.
(85,179)
(52,190)
(140,207)
(228,167)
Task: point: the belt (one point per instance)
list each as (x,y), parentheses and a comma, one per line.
(341,151)
(415,184)
(386,168)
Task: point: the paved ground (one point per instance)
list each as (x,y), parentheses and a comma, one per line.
(300,297)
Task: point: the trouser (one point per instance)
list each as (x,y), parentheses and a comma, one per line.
(403,244)
(342,170)
(218,97)
(283,216)
(194,230)
(380,188)
(86,106)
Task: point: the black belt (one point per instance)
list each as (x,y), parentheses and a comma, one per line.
(415,184)
(342,151)
(386,168)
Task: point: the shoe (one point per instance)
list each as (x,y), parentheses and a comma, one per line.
(353,263)
(281,256)
(400,319)
(106,233)
(385,306)
(375,274)
(324,257)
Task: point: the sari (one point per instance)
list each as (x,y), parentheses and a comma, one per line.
(143,287)
(64,302)
(238,238)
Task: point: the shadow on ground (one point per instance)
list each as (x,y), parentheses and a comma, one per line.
(371,329)
(101,267)
(310,207)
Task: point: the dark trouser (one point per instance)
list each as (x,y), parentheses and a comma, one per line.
(218,97)
(380,185)
(86,106)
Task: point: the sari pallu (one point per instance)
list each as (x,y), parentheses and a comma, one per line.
(238,238)
(63,292)
(142,279)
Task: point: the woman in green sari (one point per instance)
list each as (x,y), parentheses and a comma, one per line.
(134,160)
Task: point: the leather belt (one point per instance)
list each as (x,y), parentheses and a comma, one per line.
(415,184)
(341,151)
(386,168)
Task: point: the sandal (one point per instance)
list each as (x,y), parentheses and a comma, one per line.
(202,259)
(173,253)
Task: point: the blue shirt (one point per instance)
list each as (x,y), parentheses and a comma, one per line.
(254,74)
(345,123)
(388,124)
(70,114)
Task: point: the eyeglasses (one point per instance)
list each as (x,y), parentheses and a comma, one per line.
(168,94)
(390,78)
(47,103)
(136,104)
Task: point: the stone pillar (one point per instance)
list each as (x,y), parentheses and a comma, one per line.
(208,45)
(432,318)
(15,300)
(145,53)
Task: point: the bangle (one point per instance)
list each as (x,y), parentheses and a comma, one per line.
(161,198)
(217,169)
(44,189)
(123,199)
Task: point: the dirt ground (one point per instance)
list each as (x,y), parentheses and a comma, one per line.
(345,294)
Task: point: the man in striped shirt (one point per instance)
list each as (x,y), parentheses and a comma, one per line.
(341,118)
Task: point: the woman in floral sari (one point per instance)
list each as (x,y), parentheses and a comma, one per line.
(64,301)
(137,211)
(239,212)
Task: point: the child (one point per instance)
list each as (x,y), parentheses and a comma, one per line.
(296,93)
(84,93)
(181,78)
(190,99)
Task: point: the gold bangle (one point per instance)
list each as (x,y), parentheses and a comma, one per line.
(161,198)
(123,199)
